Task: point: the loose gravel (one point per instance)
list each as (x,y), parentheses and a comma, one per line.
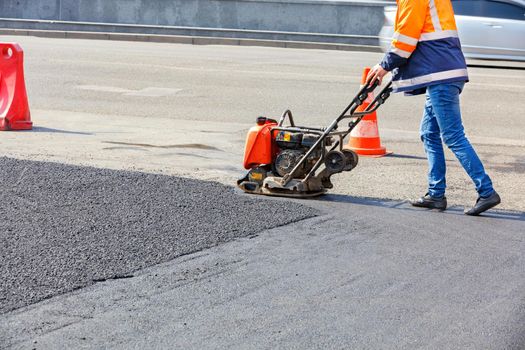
(65,227)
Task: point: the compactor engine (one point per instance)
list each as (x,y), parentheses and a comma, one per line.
(297,161)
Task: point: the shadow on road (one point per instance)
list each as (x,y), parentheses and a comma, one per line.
(404,205)
(409,156)
(405,156)
(58,131)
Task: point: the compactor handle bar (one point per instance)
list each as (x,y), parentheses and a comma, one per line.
(376,103)
(287,113)
(358,100)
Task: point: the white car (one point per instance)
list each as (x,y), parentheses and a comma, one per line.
(488,29)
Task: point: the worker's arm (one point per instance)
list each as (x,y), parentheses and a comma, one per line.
(410,19)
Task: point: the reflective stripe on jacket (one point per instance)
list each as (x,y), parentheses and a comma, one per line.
(425,47)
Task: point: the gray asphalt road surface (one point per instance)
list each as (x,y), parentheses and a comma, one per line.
(65,227)
(365,274)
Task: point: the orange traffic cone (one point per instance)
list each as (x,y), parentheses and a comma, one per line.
(14,108)
(364,138)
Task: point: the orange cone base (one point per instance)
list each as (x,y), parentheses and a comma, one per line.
(18,125)
(371,152)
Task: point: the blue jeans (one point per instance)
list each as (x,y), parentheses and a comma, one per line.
(442,121)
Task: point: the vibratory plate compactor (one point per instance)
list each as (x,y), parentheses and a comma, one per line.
(286,160)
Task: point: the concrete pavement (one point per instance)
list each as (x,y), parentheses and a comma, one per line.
(86,93)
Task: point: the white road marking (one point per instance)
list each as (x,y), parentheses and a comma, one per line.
(154,92)
(491,85)
(146,92)
(101,88)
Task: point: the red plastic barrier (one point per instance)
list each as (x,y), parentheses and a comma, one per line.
(14,108)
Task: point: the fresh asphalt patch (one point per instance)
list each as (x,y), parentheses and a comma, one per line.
(65,227)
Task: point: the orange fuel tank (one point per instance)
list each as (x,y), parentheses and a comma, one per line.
(259,149)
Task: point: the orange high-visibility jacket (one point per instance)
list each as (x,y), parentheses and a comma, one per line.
(425,48)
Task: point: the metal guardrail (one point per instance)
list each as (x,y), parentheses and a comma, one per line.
(347,22)
(69,26)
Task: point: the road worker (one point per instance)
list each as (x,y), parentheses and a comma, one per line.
(426,57)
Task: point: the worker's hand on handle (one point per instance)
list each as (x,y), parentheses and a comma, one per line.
(376,73)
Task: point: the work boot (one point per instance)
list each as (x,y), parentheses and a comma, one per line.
(430,202)
(483,204)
